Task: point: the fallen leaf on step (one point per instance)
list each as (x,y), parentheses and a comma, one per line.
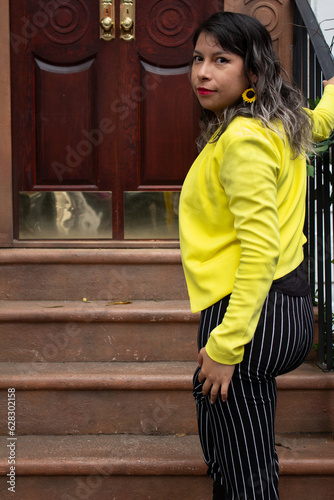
(86,300)
(51,307)
(119,303)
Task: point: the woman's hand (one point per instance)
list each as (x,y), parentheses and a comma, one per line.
(214,376)
(329,82)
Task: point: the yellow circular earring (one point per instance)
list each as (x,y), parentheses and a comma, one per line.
(249,95)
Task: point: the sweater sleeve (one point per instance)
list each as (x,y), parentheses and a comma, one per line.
(249,177)
(323,115)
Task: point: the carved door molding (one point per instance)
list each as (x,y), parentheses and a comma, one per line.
(277,17)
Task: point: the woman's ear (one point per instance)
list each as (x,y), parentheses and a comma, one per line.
(253,77)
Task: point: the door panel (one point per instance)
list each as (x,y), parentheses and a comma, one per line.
(160,163)
(156,109)
(64,114)
(62,137)
(61,215)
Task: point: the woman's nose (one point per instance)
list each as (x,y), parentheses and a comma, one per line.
(204,71)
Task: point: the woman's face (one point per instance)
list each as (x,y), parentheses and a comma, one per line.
(218,77)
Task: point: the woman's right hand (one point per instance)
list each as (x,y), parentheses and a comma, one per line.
(329,82)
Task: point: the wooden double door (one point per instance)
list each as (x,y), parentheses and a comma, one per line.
(104,122)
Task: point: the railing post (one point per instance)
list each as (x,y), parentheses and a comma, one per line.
(317,39)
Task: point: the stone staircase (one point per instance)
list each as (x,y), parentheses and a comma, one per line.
(100,346)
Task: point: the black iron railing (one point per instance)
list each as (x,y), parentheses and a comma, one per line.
(313,62)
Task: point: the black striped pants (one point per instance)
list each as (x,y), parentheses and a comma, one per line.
(238,437)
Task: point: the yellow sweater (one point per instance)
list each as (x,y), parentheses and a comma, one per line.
(242,212)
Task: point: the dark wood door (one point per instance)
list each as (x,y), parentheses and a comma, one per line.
(98,116)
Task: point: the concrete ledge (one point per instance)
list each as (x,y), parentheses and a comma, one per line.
(152,455)
(97,311)
(136,375)
(308,376)
(72,256)
(97,376)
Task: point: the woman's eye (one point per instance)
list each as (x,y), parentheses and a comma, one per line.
(197,58)
(221,60)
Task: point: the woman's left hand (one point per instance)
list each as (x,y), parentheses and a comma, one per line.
(214,376)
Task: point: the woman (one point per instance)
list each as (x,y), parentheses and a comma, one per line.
(242,211)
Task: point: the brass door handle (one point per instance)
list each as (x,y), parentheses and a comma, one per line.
(107,15)
(107,23)
(127,16)
(127,24)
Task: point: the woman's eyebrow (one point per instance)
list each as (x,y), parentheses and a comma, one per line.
(218,53)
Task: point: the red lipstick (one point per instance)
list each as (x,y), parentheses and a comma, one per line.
(204,91)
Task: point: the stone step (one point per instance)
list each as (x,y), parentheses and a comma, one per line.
(97,274)
(143,398)
(65,331)
(68,331)
(150,467)
(305,400)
